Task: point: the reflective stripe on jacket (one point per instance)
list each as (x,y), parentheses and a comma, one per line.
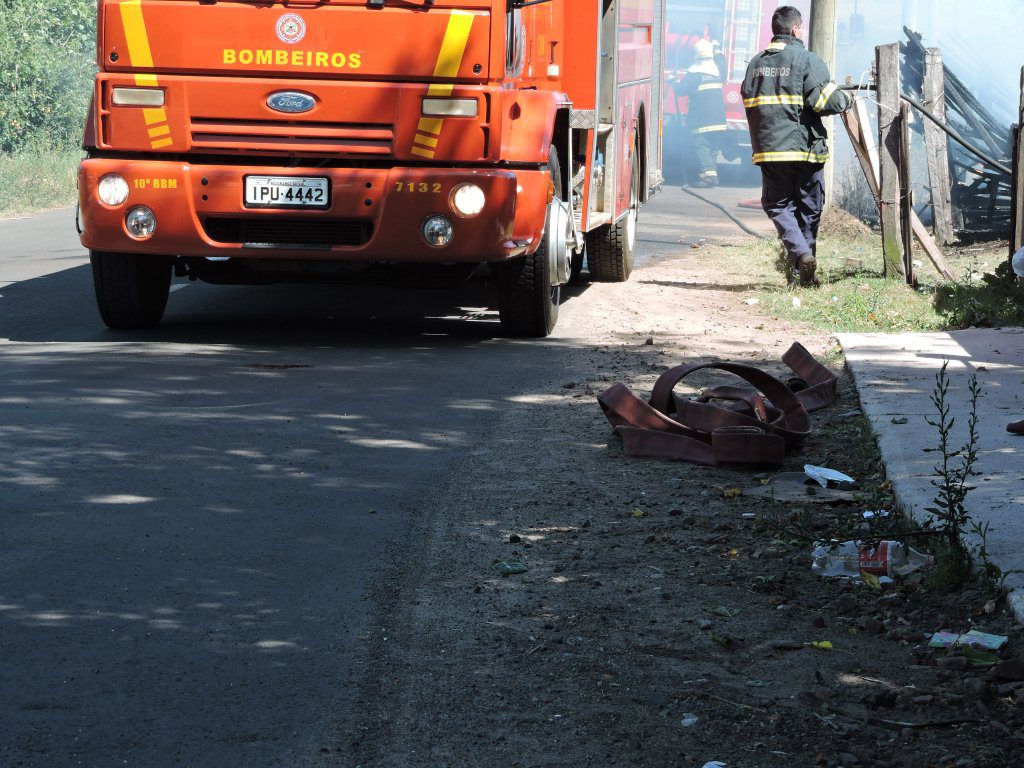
(707,106)
(785,92)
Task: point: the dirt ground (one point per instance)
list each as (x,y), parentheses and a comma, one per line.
(662,621)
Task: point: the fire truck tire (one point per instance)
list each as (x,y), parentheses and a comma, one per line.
(611,248)
(131,290)
(527,302)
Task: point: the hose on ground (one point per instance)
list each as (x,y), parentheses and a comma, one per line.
(722,208)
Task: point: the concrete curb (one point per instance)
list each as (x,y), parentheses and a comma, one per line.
(895,375)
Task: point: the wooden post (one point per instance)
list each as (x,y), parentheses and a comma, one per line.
(821,41)
(937,147)
(1017,186)
(887,68)
(906,196)
(858,127)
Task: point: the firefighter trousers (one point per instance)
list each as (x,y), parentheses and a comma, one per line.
(705,149)
(792,194)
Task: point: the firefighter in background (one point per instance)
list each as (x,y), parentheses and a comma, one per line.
(705,117)
(786,91)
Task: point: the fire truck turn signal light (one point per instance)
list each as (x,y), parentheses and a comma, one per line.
(450,107)
(468,200)
(141,222)
(112,190)
(438,231)
(138,97)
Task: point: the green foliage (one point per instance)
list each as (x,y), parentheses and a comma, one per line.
(47,62)
(996,299)
(53,173)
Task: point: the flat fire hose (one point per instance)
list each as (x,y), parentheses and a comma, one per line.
(755,428)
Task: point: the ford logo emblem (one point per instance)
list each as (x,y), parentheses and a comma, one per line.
(291,102)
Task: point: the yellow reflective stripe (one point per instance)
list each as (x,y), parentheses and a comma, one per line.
(826,92)
(426,141)
(789,157)
(710,87)
(430,125)
(453,48)
(705,174)
(140,55)
(449,61)
(154,116)
(776,47)
(135,35)
(711,128)
(761,101)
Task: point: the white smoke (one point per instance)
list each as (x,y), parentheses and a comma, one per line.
(980,42)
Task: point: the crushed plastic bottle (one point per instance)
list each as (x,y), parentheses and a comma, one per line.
(889,558)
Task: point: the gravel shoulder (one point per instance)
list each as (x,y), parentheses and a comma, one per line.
(652,597)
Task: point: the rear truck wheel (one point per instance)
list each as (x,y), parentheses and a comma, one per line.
(530,287)
(131,289)
(610,249)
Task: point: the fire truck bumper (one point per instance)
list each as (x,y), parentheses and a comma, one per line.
(330,214)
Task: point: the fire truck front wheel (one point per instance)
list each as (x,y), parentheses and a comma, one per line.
(527,300)
(131,290)
(611,248)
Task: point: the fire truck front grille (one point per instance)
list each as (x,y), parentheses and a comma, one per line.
(283,232)
(286,136)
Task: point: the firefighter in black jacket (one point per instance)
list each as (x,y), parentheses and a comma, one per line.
(702,84)
(785,92)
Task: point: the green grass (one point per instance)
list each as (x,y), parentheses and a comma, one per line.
(36,180)
(854,295)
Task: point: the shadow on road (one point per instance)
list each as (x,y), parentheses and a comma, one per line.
(60,307)
(189,515)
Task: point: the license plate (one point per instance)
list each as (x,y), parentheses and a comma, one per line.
(286,192)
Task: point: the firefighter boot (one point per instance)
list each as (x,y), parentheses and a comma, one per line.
(708,179)
(806,266)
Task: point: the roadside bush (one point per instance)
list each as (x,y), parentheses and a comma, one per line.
(47,62)
(996,299)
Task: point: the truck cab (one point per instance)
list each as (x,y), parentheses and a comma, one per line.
(244,141)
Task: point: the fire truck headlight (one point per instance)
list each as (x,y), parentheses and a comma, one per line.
(112,190)
(138,97)
(450,107)
(141,222)
(438,231)
(468,200)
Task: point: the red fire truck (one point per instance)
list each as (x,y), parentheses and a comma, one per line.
(741,28)
(258,141)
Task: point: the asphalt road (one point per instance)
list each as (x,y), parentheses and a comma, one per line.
(190,516)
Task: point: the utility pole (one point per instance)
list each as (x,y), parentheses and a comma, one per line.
(822,41)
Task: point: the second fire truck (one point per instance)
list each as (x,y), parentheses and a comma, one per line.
(739,29)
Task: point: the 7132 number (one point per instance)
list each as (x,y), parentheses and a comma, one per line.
(413,186)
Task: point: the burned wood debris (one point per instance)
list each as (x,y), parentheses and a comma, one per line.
(979,196)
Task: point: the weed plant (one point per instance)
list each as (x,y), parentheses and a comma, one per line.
(956,539)
(952,482)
